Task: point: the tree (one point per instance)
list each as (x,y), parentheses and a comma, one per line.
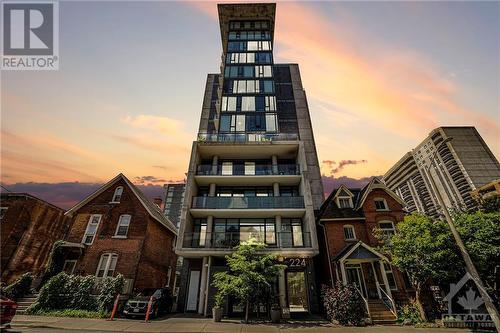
(480,233)
(250,276)
(424,249)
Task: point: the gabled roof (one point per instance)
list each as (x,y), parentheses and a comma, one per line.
(359,250)
(376,183)
(152,209)
(330,209)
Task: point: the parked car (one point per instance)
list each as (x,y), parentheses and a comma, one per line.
(7,311)
(137,305)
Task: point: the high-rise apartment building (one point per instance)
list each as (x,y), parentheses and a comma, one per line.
(254,170)
(174,197)
(458,166)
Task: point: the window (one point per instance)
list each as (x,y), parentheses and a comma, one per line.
(390,277)
(267,86)
(93,224)
(380,204)
(387,227)
(263,71)
(227,168)
(248,103)
(122,227)
(228,103)
(271,123)
(345,202)
(107,265)
(349,232)
(249,168)
(118,194)
(3,210)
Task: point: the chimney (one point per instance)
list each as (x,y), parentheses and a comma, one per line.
(159,202)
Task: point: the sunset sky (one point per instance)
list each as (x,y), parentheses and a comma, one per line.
(379,76)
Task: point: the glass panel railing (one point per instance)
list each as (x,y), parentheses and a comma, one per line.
(247,137)
(228,240)
(241,170)
(247,202)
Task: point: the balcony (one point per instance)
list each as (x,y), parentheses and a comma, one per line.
(257,170)
(247,137)
(228,240)
(240,206)
(248,202)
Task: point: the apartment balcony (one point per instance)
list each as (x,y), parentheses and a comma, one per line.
(285,174)
(245,206)
(246,137)
(228,240)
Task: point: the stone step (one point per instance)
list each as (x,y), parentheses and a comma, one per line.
(384,322)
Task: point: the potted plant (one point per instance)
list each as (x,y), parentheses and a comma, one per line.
(218,306)
(275,313)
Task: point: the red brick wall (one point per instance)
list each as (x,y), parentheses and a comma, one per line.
(143,256)
(29,229)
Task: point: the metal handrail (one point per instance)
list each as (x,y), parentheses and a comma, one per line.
(364,299)
(392,306)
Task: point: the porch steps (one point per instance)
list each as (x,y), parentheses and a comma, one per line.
(380,314)
(24,302)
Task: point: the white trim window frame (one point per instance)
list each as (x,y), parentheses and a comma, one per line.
(342,199)
(388,231)
(71,262)
(123,224)
(3,211)
(107,265)
(389,273)
(91,230)
(117,195)
(384,203)
(349,232)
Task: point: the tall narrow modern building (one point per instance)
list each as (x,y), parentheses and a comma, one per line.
(254,169)
(457,159)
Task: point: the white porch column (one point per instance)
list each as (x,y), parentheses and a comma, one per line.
(274,160)
(203,284)
(215,164)
(207,287)
(384,277)
(376,280)
(342,269)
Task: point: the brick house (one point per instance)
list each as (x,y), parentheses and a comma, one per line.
(118,230)
(347,220)
(29,228)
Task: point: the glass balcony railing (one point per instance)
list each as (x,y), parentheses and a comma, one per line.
(228,240)
(247,202)
(247,137)
(241,170)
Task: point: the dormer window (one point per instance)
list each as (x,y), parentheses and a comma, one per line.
(381,204)
(118,194)
(345,202)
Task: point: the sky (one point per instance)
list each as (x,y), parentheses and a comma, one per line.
(379,76)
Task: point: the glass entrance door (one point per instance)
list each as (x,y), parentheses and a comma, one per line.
(296,291)
(355,276)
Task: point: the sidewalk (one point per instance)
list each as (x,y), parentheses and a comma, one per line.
(205,325)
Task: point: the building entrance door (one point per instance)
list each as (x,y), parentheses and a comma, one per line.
(194,285)
(296,291)
(354,275)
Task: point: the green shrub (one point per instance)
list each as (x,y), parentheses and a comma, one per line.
(76,313)
(343,304)
(55,294)
(108,289)
(81,288)
(409,313)
(21,287)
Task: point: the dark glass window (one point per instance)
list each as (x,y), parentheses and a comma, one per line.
(225,123)
(255,123)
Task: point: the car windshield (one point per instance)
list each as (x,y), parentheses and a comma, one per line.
(156,293)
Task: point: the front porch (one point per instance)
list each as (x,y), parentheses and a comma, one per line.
(373,276)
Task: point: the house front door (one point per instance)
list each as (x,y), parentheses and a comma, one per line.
(194,285)
(355,276)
